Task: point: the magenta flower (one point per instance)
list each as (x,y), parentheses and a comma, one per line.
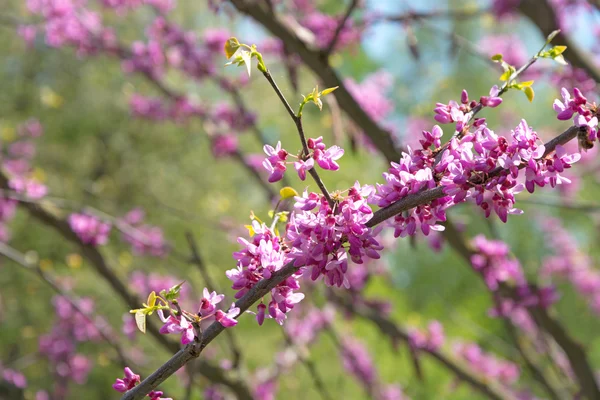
(128,382)
(209,301)
(493,100)
(326,159)
(303,166)
(228,319)
(177,325)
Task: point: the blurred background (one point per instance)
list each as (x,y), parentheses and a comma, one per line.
(107,146)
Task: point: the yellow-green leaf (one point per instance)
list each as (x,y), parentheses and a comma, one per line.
(526,83)
(231,46)
(287,192)
(247,60)
(506,75)
(328,90)
(529,93)
(140,320)
(497,57)
(559,49)
(250,230)
(151,299)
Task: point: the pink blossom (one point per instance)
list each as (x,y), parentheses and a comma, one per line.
(89,229)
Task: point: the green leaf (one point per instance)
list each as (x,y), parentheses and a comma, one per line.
(173,292)
(231,46)
(558,50)
(140,320)
(287,192)
(526,83)
(529,93)
(497,57)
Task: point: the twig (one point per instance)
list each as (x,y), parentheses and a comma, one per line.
(340,27)
(298,122)
(541,13)
(433,14)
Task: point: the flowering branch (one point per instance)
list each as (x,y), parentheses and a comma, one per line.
(92,254)
(193,350)
(298,122)
(427,196)
(320,66)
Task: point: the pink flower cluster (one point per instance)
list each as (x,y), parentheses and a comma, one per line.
(475,165)
(584,114)
(264,255)
(60,345)
(323,26)
(570,263)
(461,113)
(321,238)
(231,118)
(144,239)
(304,330)
(16,160)
(493,261)
(13,377)
(431,340)
(156,109)
(130,381)
(326,158)
(69,23)
(487,365)
(89,229)
(370,94)
(207,311)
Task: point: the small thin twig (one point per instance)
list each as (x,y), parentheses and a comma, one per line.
(298,122)
(340,27)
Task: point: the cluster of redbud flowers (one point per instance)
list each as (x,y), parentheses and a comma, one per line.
(130,380)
